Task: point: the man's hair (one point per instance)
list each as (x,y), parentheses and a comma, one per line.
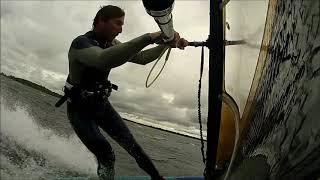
(107,12)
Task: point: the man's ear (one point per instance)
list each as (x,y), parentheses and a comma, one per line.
(100,20)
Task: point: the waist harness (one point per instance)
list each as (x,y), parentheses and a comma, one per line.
(99,89)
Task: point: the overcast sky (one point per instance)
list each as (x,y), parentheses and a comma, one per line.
(36,36)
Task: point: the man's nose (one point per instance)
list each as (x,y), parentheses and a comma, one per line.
(120,29)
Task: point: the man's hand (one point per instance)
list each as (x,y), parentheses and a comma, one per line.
(182,43)
(178,42)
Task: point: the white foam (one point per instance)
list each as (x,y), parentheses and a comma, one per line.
(10,170)
(67,153)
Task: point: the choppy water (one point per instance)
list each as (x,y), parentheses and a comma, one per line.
(37,142)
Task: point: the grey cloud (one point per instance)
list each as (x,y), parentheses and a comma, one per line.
(7,11)
(149,103)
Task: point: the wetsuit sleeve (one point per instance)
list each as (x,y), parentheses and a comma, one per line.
(147,56)
(83,51)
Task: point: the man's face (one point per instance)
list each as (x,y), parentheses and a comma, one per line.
(112,27)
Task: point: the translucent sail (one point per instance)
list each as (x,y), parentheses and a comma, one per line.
(246,21)
(281,115)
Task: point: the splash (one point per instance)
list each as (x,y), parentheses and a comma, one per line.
(32,152)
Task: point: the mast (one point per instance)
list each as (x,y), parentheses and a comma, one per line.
(216,61)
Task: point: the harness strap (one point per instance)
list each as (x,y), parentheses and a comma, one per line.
(69,89)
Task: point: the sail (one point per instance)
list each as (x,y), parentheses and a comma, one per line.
(244,20)
(280,125)
(281,115)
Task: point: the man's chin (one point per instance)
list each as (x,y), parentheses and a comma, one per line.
(111,38)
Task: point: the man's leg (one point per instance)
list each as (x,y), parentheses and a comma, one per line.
(88,132)
(113,124)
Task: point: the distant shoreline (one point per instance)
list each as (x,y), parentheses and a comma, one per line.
(47,91)
(33,85)
(164,130)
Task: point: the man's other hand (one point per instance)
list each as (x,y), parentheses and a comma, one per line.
(178,42)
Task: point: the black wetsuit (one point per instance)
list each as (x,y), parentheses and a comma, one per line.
(90,62)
